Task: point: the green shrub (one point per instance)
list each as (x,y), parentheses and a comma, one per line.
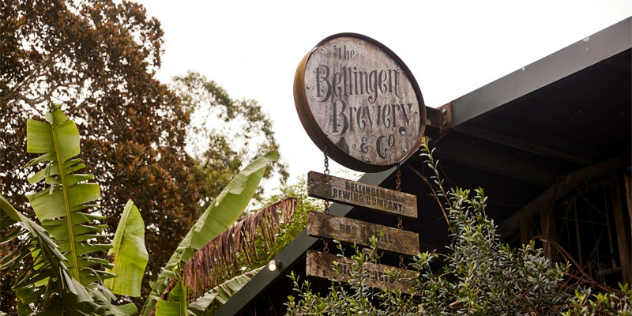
(480,275)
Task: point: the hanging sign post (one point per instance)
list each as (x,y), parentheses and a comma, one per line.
(356,98)
(362,107)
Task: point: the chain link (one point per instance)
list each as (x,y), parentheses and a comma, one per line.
(398,187)
(326,160)
(400,224)
(401,262)
(326,241)
(398,179)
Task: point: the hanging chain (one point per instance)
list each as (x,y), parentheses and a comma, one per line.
(400,224)
(326,172)
(326,241)
(398,179)
(398,187)
(326,160)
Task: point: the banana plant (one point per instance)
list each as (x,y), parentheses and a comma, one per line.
(64,274)
(200,274)
(217,218)
(60,272)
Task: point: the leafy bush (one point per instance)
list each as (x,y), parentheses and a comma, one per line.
(481,276)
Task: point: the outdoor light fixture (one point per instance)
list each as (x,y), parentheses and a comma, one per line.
(273,265)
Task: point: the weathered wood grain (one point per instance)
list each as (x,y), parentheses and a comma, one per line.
(349,192)
(356,231)
(320,265)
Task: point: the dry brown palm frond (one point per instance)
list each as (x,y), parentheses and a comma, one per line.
(203,270)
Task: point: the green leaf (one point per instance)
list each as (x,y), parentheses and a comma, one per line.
(62,277)
(40,139)
(127,309)
(230,203)
(57,206)
(177,303)
(222,213)
(128,253)
(166,308)
(50,265)
(8,214)
(223,292)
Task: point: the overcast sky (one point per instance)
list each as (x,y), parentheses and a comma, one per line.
(252,48)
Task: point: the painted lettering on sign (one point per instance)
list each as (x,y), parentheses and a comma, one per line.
(354,230)
(344,83)
(356,193)
(320,265)
(350,94)
(360,232)
(363,100)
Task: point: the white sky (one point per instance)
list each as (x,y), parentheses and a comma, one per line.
(252,48)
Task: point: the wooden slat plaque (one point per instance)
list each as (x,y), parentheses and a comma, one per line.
(356,231)
(320,265)
(349,192)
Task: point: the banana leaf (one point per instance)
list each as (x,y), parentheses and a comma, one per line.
(47,267)
(218,217)
(62,206)
(128,253)
(223,292)
(61,277)
(177,303)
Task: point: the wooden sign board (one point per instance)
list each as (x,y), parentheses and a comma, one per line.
(355,193)
(356,231)
(320,265)
(357,98)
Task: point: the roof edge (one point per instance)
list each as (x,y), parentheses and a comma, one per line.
(567,61)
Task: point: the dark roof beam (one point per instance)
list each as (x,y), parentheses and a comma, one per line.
(534,148)
(493,158)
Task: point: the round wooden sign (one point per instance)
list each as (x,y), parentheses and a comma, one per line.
(355,97)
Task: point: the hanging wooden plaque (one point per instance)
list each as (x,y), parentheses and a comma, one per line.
(320,265)
(349,192)
(357,98)
(357,231)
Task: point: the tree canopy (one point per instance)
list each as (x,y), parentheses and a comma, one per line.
(99,59)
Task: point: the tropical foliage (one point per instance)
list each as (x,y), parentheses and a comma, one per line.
(200,274)
(480,275)
(219,256)
(222,293)
(60,269)
(63,267)
(265,251)
(99,58)
(260,251)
